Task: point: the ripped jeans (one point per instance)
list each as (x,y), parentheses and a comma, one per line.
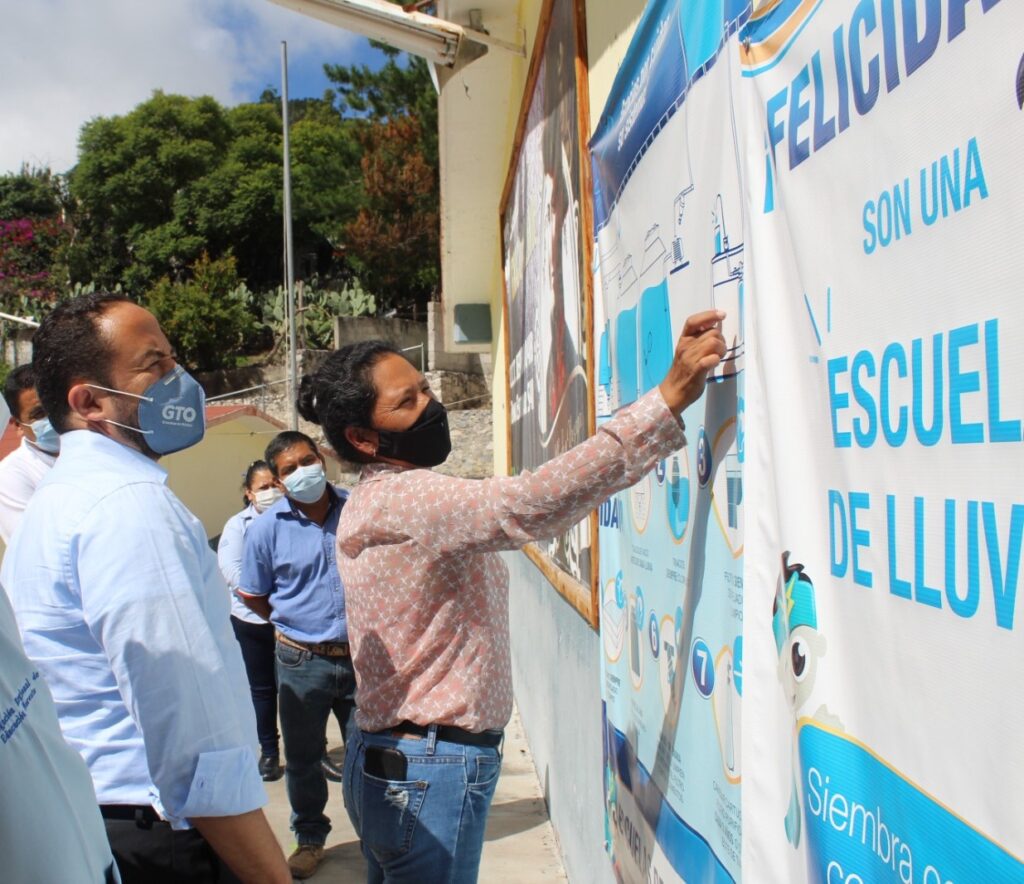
(429,828)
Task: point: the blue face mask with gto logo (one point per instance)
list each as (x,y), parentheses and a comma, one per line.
(172,412)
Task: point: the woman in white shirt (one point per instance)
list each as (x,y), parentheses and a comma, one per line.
(254,634)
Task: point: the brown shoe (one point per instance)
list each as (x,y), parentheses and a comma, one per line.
(305,860)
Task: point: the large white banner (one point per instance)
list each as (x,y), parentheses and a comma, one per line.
(837,550)
(887,346)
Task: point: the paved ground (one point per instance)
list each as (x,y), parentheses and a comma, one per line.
(519,847)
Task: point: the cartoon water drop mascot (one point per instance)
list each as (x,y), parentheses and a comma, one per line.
(800,647)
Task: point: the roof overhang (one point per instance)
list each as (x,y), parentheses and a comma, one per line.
(435,39)
(446,45)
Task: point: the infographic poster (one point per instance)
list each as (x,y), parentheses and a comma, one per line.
(670,242)
(885,351)
(545,209)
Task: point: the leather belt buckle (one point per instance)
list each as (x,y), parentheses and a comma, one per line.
(144,816)
(321,649)
(330,649)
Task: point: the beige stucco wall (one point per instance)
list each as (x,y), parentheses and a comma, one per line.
(476,125)
(207,478)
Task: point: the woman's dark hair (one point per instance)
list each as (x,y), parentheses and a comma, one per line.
(250,473)
(340,393)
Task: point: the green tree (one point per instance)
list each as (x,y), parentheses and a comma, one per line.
(236,206)
(395,90)
(327,180)
(177,177)
(206,319)
(31,193)
(393,244)
(131,177)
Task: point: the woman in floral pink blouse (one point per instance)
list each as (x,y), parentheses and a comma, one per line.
(427,593)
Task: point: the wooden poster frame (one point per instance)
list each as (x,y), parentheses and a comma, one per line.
(585,599)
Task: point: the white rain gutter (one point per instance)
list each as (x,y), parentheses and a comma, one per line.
(443,43)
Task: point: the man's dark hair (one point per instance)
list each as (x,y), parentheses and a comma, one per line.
(69,348)
(340,394)
(20,379)
(282,442)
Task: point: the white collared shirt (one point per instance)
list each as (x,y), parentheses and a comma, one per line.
(20,472)
(123,609)
(52,829)
(229,557)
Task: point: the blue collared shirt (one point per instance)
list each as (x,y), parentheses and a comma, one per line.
(292,560)
(124,611)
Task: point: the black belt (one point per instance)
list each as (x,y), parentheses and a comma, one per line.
(448,734)
(143,815)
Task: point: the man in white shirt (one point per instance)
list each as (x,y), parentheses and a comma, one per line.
(23,469)
(35,761)
(124,612)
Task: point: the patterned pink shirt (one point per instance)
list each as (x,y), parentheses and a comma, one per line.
(426,593)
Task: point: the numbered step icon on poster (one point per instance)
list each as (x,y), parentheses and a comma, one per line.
(703,668)
(704,456)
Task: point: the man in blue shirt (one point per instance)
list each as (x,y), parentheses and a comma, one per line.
(290,577)
(123,610)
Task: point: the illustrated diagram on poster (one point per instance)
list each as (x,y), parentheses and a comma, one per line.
(669,221)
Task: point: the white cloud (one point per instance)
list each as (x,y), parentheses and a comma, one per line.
(67,61)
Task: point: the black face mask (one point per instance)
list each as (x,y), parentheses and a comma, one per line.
(426,443)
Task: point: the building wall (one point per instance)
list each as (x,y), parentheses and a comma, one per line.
(476,126)
(556,674)
(556,656)
(400,332)
(207,478)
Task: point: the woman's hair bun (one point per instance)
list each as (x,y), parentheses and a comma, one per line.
(306,400)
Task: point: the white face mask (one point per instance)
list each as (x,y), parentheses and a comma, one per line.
(306,484)
(266,498)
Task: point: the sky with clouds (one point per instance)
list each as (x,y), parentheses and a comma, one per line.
(64,62)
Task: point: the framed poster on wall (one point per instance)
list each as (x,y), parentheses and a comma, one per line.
(546,231)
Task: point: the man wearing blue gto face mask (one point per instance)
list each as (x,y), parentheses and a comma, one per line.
(290,577)
(24,468)
(123,610)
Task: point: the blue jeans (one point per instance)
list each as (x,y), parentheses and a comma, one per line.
(429,827)
(309,688)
